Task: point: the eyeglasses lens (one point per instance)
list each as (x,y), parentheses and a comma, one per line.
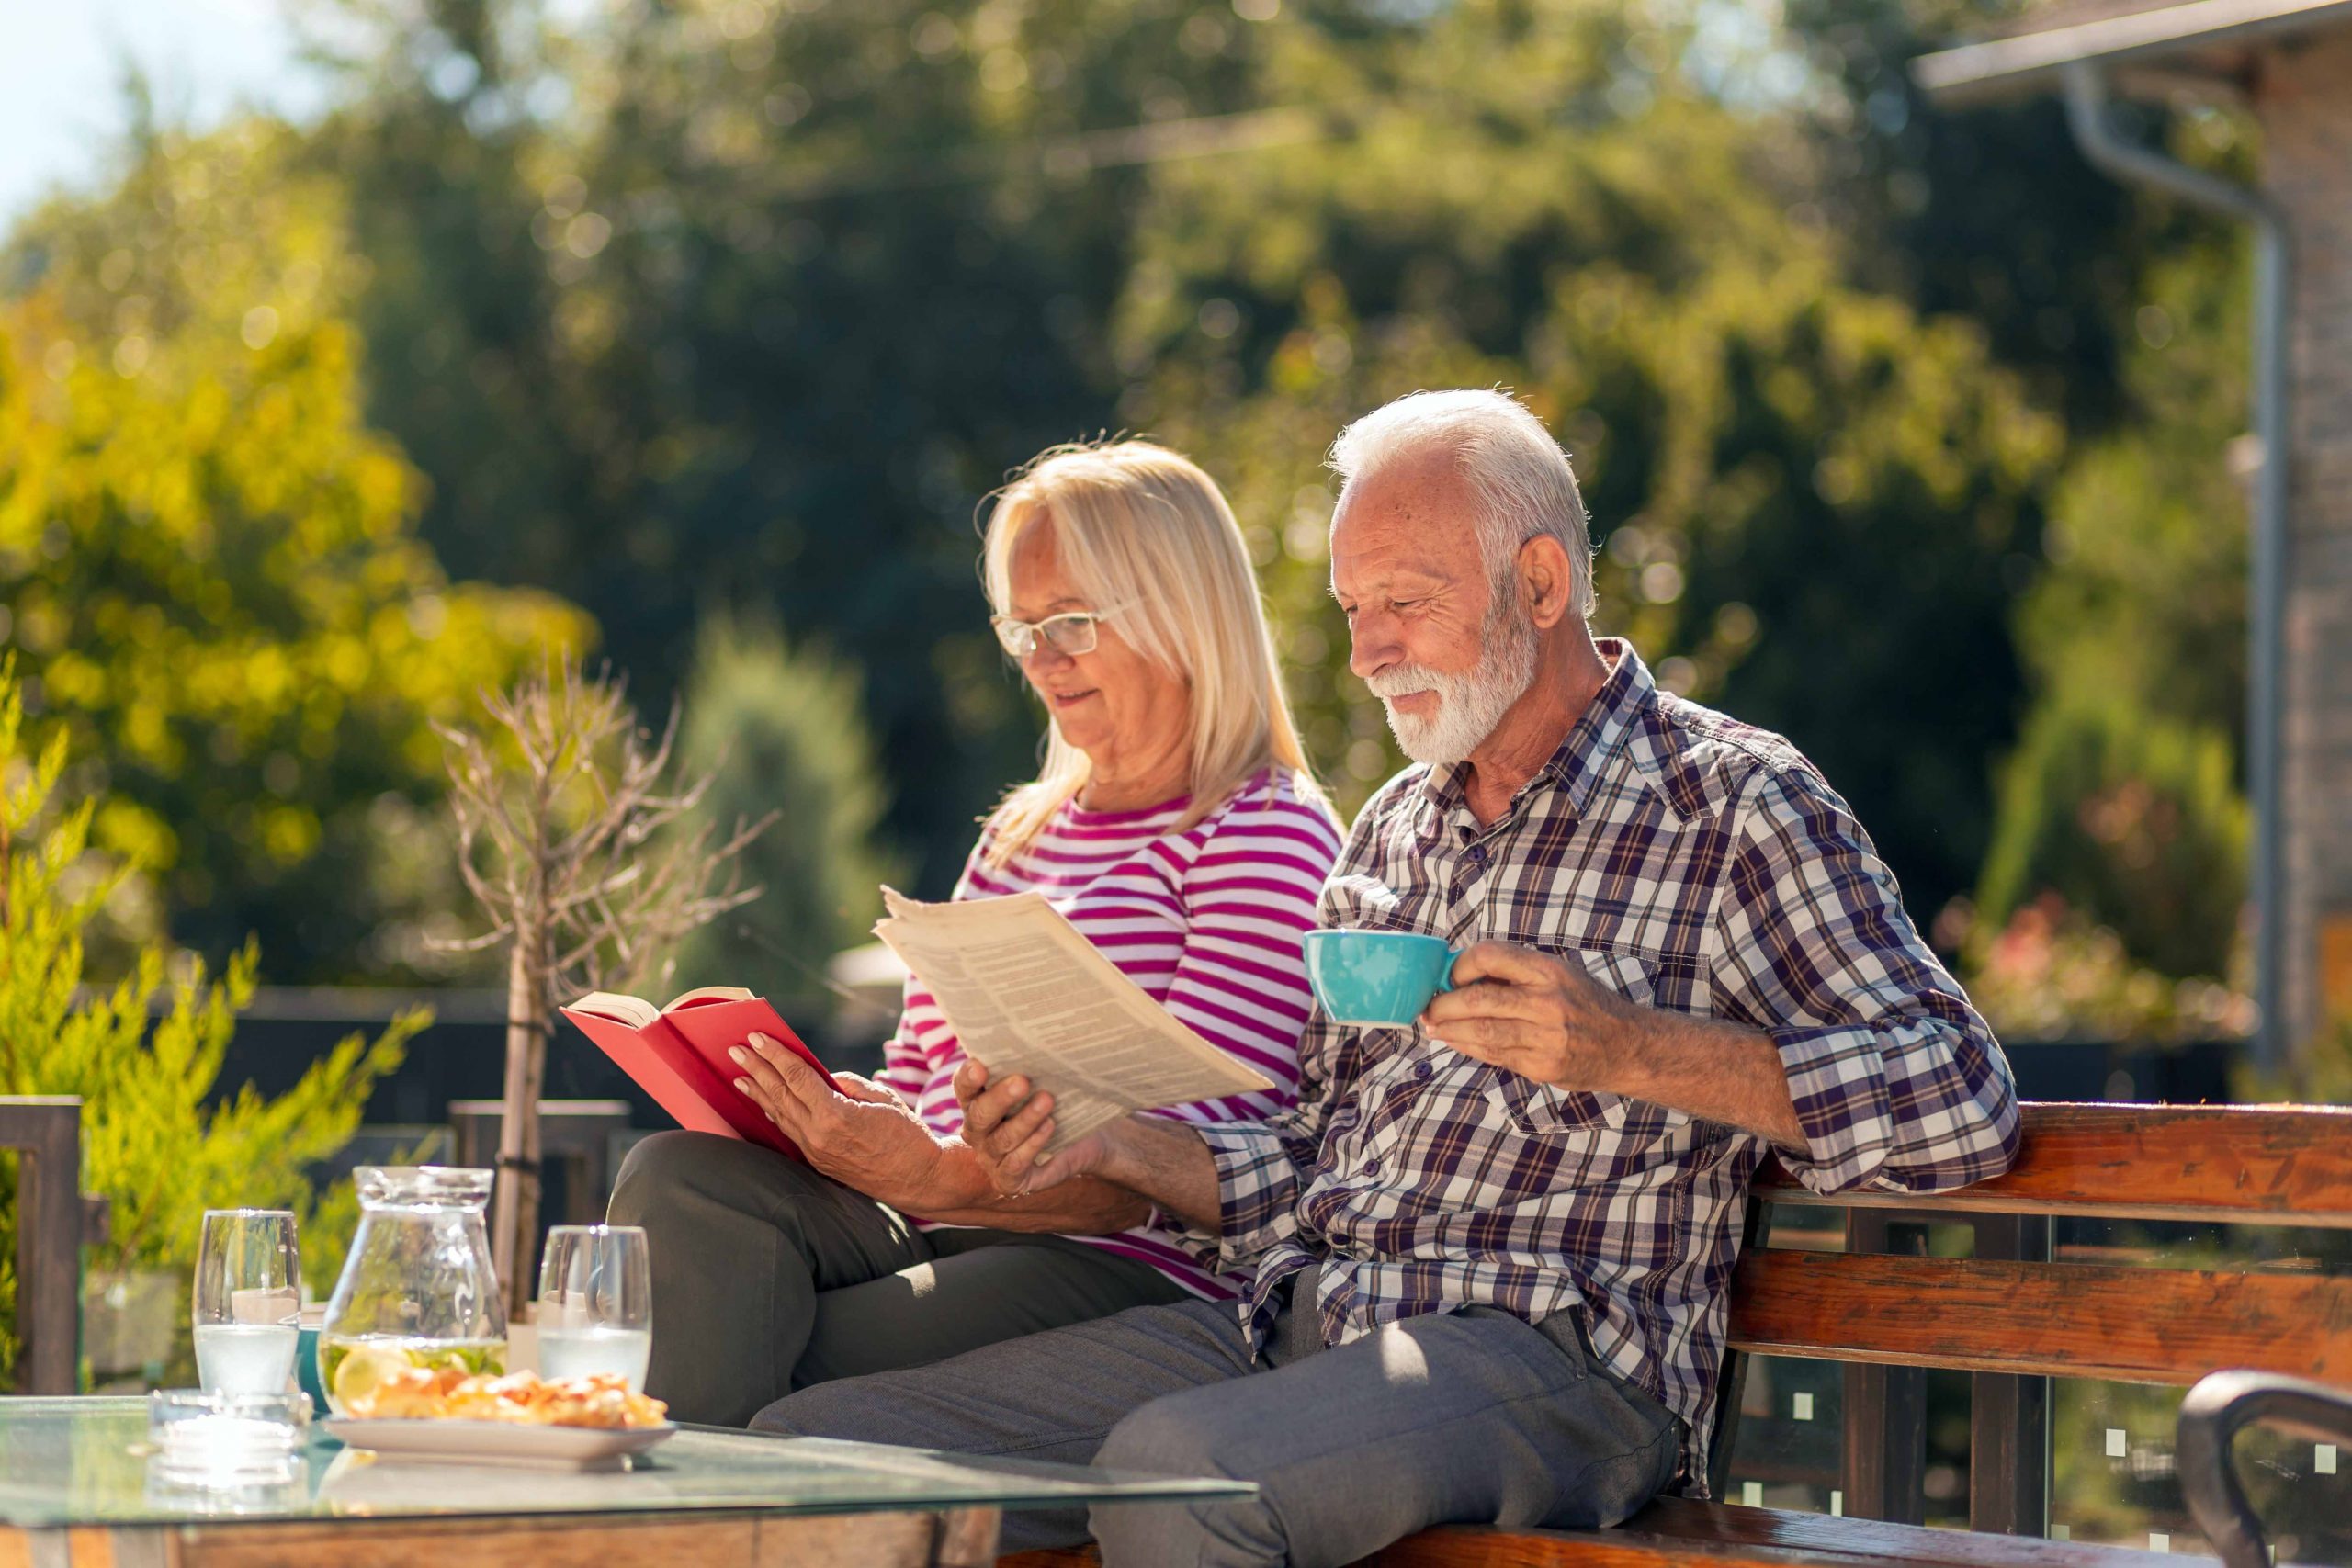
(1068,634)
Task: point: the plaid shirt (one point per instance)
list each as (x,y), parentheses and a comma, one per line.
(1691,862)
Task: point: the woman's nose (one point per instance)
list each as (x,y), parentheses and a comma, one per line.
(1046,660)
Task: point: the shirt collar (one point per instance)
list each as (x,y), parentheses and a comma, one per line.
(1575,765)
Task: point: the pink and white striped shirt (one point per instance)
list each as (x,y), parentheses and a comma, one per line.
(1207,922)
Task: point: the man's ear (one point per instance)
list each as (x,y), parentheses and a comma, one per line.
(1546,579)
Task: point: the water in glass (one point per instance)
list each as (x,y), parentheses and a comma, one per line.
(596,1307)
(248,1295)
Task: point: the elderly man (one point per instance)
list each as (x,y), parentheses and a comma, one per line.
(1482,1263)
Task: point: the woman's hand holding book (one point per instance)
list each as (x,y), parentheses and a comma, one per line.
(851,1129)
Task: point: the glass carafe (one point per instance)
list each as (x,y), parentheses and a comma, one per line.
(418,1289)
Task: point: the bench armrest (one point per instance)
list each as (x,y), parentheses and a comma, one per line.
(2211,1416)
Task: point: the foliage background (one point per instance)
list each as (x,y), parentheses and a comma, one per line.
(623,325)
(211,568)
(145,1055)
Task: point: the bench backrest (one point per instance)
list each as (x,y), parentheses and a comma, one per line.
(2234,1164)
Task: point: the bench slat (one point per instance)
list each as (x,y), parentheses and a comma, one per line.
(2285,1165)
(1673,1530)
(2081,1320)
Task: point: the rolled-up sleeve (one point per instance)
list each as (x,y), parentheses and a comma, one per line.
(1898,1081)
(1264,1167)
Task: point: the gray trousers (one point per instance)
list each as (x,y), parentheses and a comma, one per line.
(1462,1418)
(768,1277)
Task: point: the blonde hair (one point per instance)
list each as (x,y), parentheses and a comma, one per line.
(1140,528)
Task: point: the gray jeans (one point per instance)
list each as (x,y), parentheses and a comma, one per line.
(1462,1418)
(768,1277)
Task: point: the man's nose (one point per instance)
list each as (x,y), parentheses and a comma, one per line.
(1373,645)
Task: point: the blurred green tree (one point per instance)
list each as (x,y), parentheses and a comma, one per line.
(1810,498)
(2125,313)
(2125,796)
(145,1053)
(731,303)
(750,303)
(208,562)
(2133,815)
(782,728)
(805,281)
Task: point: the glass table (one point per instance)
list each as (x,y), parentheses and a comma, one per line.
(75,1485)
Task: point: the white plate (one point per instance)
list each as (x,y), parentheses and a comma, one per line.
(500,1442)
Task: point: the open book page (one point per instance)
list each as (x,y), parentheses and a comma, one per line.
(638,1013)
(635,1011)
(1025,993)
(701,994)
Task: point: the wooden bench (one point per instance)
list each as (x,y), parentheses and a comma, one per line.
(2013,1319)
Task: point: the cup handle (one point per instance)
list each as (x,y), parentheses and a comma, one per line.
(1445,977)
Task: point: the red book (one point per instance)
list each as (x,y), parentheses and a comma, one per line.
(678,1055)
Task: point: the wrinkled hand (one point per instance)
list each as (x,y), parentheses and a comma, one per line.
(1007,1126)
(861,1134)
(1539,1016)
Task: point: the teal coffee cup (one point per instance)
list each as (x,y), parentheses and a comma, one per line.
(1377,979)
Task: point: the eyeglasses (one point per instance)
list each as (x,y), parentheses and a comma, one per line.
(1073,632)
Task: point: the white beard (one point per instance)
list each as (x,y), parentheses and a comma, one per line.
(1469,705)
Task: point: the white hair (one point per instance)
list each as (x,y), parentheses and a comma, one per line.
(1525,486)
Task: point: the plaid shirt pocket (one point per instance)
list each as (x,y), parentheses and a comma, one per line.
(1541,1111)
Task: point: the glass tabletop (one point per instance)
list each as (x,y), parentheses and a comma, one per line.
(85,1462)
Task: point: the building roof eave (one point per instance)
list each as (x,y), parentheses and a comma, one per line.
(2033,62)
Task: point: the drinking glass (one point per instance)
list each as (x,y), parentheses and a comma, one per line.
(596,1303)
(248,1295)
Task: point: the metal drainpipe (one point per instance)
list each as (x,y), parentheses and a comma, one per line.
(2087,113)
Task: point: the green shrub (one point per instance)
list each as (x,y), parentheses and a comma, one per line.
(2121,797)
(2048,972)
(150,1144)
(2132,815)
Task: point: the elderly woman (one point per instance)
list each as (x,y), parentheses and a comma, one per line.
(1175,823)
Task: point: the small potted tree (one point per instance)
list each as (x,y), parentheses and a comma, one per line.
(560,805)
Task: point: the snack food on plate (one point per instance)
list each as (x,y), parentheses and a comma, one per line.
(443,1393)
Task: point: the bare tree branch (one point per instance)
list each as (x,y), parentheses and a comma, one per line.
(557,806)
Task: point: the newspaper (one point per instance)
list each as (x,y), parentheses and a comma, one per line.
(1025,993)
